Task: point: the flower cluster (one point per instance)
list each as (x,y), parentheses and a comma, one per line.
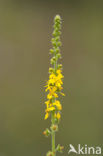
(54,86)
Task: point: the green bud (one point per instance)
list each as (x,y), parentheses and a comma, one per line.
(51,51)
(54,43)
(59,43)
(57,38)
(54,33)
(51,70)
(53,40)
(57,26)
(53,59)
(59,66)
(57,50)
(59,33)
(58,55)
(57,17)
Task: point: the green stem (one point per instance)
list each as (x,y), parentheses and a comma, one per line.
(53,137)
(52,118)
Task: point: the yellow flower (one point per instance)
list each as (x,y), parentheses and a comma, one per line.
(49,96)
(51,81)
(47,103)
(58,85)
(55,95)
(50,109)
(58,71)
(52,93)
(58,105)
(52,76)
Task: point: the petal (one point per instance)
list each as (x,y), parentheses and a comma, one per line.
(46,116)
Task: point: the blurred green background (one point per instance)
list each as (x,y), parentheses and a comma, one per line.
(25,34)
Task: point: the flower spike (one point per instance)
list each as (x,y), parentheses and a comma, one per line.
(54,85)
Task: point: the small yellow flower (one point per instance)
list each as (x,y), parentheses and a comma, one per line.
(55,95)
(49,96)
(58,105)
(52,76)
(47,102)
(51,82)
(58,71)
(50,109)
(58,85)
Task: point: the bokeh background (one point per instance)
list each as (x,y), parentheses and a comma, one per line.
(25,34)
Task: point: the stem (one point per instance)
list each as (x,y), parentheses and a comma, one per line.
(52,117)
(53,137)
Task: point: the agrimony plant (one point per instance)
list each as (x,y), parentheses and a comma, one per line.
(54,87)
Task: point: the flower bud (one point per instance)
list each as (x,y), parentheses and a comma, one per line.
(57,25)
(57,17)
(59,43)
(53,40)
(51,51)
(59,66)
(54,33)
(59,33)
(47,132)
(57,50)
(52,61)
(54,127)
(54,58)
(57,38)
(58,55)
(50,153)
(51,70)
(60,148)
(54,43)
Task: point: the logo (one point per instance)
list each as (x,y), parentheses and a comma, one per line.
(84,149)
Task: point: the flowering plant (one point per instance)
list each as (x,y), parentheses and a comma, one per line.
(54,87)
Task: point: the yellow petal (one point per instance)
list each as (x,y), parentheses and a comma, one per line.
(55,95)
(47,102)
(46,116)
(62,94)
(58,116)
(58,71)
(49,96)
(51,109)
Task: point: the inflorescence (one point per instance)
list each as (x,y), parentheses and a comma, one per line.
(54,87)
